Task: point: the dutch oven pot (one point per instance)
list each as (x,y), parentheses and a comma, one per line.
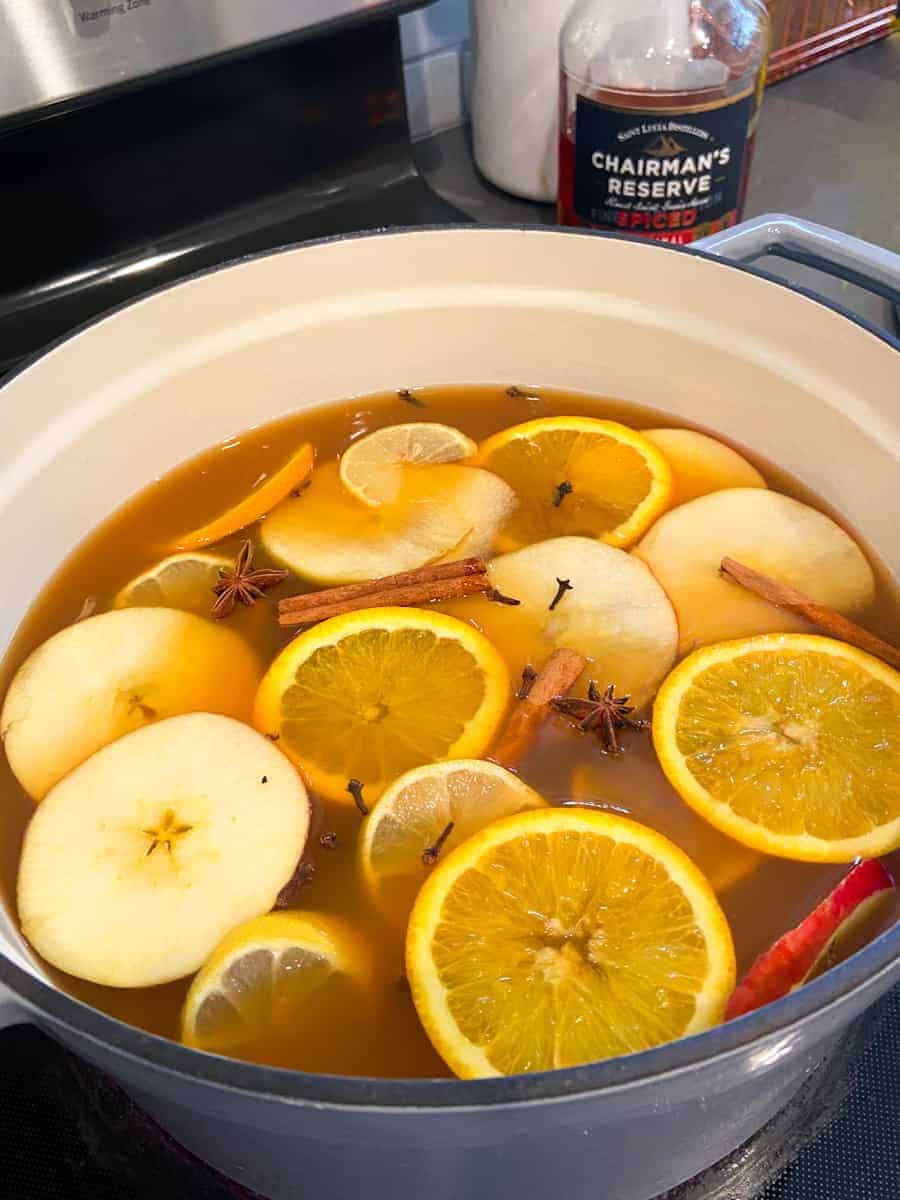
(107,410)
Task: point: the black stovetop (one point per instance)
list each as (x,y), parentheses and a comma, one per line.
(301,140)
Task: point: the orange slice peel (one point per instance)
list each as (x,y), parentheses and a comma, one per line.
(261,501)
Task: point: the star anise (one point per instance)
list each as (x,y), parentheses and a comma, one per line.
(241,583)
(604,712)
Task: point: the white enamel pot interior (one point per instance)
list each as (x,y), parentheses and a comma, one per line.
(110,409)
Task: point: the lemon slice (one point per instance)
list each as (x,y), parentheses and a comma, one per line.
(789,743)
(260,501)
(254,984)
(561,936)
(369,467)
(327,536)
(413,815)
(375,693)
(578,475)
(184,581)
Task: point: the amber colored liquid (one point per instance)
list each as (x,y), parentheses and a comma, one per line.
(375,1031)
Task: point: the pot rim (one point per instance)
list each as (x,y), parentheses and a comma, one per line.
(879,959)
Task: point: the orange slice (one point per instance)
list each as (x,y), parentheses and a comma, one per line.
(372,694)
(560,936)
(578,476)
(260,502)
(789,743)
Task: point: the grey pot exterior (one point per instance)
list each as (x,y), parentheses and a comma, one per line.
(632,1146)
(628,1140)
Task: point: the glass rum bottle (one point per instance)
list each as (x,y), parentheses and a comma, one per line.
(659,101)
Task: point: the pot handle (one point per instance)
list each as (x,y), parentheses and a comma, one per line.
(871,267)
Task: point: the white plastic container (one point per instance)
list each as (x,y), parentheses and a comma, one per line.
(515,93)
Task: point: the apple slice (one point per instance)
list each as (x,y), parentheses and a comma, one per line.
(771,533)
(613,612)
(139,861)
(328,536)
(108,675)
(810,948)
(701,464)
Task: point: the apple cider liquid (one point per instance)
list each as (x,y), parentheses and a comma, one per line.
(375,1031)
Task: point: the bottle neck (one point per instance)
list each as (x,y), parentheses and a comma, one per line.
(664,47)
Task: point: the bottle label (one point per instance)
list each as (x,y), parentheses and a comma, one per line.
(674,177)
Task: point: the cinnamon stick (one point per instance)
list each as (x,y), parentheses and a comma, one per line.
(827,619)
(440,581)
(559,674)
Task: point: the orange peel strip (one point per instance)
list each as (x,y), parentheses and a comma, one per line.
(295,471)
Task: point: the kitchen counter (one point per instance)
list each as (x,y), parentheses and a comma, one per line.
(828,149)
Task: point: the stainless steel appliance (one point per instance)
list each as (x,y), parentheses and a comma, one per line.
(188,133)
(58,52)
